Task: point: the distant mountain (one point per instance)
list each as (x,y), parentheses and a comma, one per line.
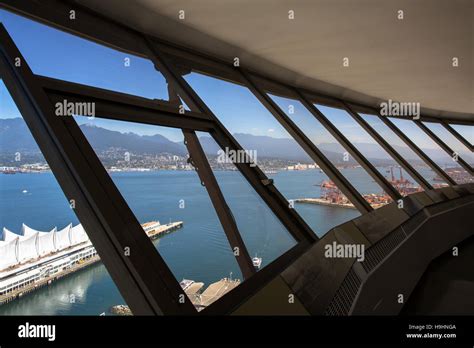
(103,139)
(15,136)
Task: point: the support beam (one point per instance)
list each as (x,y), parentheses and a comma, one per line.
(331,171)
(124,107)
(442,174)
(387,147)
(199,161)
(458,136)
(143,277)
(445,147)
(364,162)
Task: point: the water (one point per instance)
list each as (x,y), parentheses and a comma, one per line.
(198,251)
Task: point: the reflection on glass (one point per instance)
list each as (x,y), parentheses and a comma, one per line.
(54,53)
(432,150)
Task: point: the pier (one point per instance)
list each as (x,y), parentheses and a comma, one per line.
(214,292)
(161,230)
(192,289)
(47,280)
(322,201)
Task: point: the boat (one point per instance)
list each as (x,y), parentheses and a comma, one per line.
(257,262)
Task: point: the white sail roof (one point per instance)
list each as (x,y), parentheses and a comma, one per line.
(28,231)
(45,243)
(27,248)
(31,244)
(8,253)
(9,235)
(62,239)
(78,235)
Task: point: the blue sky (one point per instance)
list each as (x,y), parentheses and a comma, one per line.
(56,54)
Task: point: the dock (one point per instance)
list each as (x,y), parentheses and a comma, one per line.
(47,280)
(214,292)
(163,229)
(192,289)
(322,201)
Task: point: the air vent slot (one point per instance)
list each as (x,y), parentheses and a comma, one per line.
(380,250)
(345,295)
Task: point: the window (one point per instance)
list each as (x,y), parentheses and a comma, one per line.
(451,141)
(403,150)
(262,232)
(332,149)
(149,165)
(432,150)
(466,131)
(294,173)
(54,53)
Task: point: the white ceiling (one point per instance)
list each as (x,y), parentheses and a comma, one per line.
(404,60)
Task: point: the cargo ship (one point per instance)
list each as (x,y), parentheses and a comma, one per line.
(33,259)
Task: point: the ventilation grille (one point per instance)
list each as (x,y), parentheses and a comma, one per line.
(345,295)
(381,249)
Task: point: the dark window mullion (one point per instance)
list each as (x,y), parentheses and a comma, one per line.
(417,150)
(364,162)
(199,161)
(387,147)
(458,136)
(333,173)
(445,147)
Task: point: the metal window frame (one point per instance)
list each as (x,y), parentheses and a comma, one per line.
(326,165)
(444,146)
(458,136)
(119,106)
(387,147)
(99,205)
(437,169)
(75,180)
(354,152)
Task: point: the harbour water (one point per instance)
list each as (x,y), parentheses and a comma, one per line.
(198,251)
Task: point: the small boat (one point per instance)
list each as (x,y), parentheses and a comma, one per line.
(257,262)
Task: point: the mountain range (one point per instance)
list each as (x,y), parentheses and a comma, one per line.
(15,136)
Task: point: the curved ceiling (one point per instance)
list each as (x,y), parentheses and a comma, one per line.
(407,60)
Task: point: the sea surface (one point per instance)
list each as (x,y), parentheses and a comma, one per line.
(198,251)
